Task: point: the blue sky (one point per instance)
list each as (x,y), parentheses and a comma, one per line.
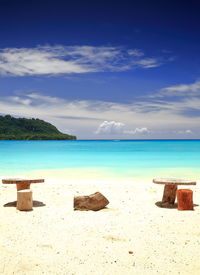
(103,69)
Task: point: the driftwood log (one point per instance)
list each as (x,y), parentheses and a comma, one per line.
(24,200)
(93,202)
(184,199)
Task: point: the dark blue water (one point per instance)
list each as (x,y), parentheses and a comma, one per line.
(135,158)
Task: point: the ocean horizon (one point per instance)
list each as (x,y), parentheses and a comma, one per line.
(109,158)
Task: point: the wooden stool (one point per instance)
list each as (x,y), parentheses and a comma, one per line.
(24,200)
(184,199)
(169,194)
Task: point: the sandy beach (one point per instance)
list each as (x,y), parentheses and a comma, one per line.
(55,239)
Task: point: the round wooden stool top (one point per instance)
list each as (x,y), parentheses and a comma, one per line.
(21,183)
(173,181)
(18,180)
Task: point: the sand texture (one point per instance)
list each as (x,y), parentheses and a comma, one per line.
(131,236)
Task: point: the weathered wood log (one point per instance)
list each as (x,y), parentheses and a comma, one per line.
(185,199)
(24,200)
(93,202)
(169,194)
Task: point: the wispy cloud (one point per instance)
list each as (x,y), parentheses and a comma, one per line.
(182,100)
(187,132)
(142,130)
(181,90)
(147,63)
(53,60)
(135,52)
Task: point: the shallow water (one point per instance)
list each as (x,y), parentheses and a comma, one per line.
(125,158)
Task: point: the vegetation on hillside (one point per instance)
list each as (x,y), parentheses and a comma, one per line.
(29,129)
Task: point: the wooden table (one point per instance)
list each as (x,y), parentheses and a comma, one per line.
(22,183)
(169,194)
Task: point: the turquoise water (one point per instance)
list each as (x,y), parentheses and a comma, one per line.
(134,158)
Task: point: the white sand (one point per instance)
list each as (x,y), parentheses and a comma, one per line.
(54,239)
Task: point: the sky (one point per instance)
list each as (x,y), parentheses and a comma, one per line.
(103,69)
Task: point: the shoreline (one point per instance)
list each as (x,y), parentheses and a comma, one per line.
(104,174)
(55,239)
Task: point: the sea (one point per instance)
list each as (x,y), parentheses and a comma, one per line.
(114,158)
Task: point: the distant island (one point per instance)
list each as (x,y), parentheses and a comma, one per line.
(29,129)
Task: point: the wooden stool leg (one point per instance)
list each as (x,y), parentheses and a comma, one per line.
(169,194)
(185,200)
(24,200)
(22,186)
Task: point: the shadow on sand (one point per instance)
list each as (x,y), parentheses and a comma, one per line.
(14,204)
(169,206)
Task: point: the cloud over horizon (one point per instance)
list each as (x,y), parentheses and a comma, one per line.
(93,119)
(110,127)
(114,127)
(54,60)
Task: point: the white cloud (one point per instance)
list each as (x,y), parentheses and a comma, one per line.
(52,60)
(38,61)
(113,127)
(110,127)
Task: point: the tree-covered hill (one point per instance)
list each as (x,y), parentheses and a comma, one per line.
(29,129)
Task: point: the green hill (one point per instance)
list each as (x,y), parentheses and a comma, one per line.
(29,129)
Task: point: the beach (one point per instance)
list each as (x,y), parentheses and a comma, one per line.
(99,102)
(130,236)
